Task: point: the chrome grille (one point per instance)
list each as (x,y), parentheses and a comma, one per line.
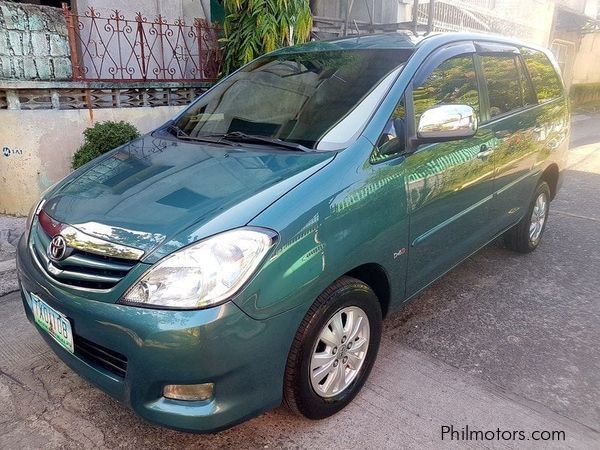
(81,268)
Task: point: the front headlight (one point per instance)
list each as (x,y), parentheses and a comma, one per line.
(205,273)
(37,207)
(34,211)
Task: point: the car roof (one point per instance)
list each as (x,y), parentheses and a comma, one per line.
(403,40)
(387,41)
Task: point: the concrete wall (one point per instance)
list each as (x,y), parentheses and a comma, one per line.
(586,68)
(382,11)
(33,43)
(37,147)
(172,9)
(111,54)
(570,41)
(587,7)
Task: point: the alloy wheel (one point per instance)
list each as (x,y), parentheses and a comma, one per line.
(339,352)
(538,218)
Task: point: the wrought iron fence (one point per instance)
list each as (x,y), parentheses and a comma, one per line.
(118,49)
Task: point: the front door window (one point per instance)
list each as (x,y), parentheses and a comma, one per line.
(452,82)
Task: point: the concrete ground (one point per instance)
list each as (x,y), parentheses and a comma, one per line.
(11,229)
(504,341)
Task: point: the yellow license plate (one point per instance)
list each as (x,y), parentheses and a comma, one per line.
(53,322)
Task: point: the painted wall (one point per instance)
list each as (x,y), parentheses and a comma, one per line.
(37,147)
(33,43)
(381,11)
(111,48)
(588,7)
(586,68)
(172,9)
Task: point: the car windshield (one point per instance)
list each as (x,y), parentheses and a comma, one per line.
(318,99)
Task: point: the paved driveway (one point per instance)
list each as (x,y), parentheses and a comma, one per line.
(504,341)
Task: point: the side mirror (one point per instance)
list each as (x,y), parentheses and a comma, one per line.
(447,123)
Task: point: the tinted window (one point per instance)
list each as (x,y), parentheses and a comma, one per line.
(545,80)
(453,81)
(502,78)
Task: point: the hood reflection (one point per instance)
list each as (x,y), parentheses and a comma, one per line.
(150,189)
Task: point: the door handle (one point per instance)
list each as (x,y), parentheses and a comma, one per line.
(484,151)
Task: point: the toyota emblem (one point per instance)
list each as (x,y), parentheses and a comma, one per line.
(57,248)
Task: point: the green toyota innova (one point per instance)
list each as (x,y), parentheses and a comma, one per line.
(245,253)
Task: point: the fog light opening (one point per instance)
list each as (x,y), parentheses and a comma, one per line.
(189,392)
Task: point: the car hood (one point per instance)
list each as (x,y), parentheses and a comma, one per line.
(153,189)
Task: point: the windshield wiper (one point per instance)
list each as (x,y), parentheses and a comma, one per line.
(235,136)
(180,134)
(238,136)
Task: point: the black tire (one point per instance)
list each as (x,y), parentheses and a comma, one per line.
(518,238)
(299,394)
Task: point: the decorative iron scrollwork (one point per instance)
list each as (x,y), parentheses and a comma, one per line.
(118,49)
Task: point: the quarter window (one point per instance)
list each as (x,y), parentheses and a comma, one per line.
(546,82)
(526,87)
(391,142)
(503,83)
(452,82)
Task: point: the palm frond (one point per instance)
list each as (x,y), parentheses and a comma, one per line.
(254,27)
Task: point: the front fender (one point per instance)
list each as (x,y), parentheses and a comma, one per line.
(346,215)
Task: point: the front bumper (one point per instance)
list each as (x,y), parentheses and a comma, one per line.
(243,357)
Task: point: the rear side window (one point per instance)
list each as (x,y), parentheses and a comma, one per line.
(503,81)
(453,81)
(546,82)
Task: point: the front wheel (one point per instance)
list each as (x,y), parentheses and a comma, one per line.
(525,236)
(334,349)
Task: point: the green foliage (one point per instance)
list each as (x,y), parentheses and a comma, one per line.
(101,138)
(585,94)
(254,27)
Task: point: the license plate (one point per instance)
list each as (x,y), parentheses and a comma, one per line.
(53,322)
